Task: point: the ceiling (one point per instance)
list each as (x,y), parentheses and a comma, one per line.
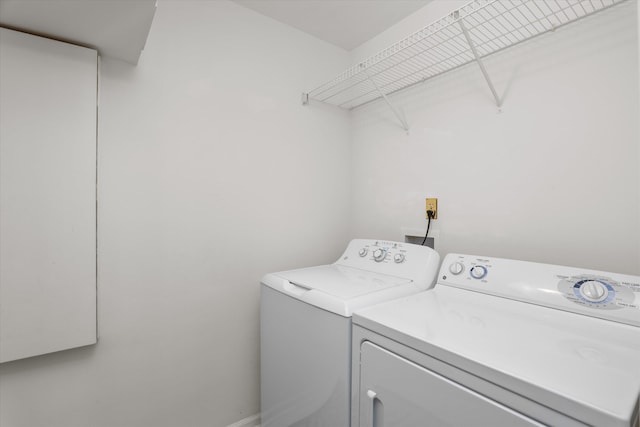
(344,23)
(117,29)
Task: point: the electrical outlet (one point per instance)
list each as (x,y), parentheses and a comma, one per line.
(432,205)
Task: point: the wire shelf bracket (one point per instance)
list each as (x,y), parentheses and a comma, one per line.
(398,113)
(472,46)
(469,34)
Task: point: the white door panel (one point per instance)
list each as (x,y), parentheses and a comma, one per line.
(396,392)
(48,92)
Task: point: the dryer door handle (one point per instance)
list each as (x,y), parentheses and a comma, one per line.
(376,409)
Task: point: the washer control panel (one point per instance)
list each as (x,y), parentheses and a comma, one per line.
(594,293)
(398,259)
(385,251)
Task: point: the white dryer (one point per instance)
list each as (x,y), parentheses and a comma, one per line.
(305,327)
(501,343)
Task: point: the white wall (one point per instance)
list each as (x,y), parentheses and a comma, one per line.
(552,178)
(211,173)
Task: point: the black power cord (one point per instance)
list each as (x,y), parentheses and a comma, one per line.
(429,215)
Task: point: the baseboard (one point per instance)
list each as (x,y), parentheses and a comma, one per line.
(252,421)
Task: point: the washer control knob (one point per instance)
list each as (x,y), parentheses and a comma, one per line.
(399,257)
(379,254)
(363,252)
(456,268)
(478,272)
(593,291)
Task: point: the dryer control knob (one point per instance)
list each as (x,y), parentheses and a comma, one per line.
(363,252)
(379,254)
(594,291)
(456,268)
(478,272)
(399,257)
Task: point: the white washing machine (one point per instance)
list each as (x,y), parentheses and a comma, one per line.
(305,327)
(501,343)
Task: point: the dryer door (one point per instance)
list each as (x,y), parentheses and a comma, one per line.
(396,392)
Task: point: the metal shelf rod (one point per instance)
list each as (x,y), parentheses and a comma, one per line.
(397,112)
(478,59)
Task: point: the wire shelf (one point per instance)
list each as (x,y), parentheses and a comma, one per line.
(492,25)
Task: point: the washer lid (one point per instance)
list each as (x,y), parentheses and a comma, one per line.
(581,366)
(338,288)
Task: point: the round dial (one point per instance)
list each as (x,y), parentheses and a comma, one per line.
(593,290)
(456,268)
(598,292)
(399,257)
(379,254)
(363,252)
(478,272)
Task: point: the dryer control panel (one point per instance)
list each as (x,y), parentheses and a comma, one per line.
(593,293)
